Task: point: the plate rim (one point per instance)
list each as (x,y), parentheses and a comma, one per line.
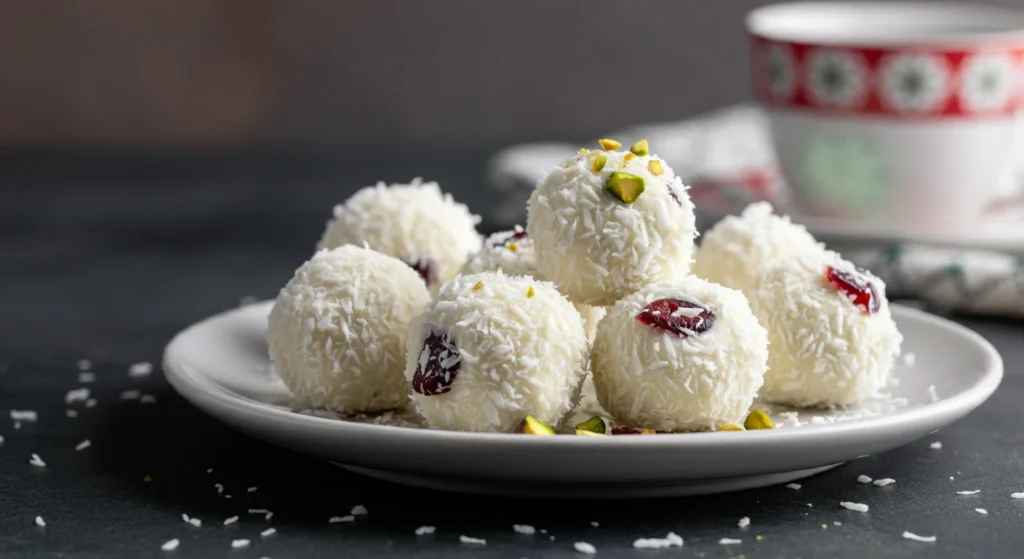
(195,387)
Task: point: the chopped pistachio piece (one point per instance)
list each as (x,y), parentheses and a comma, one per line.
(594,425)
(648,432)
(478,286)
(628,157)
(533,426)
(640,148)
(583,150)
(512,246)
(625,187)
(530,292)
(757,419)
(607,143)
(599,163)
(654,166)
(731,427)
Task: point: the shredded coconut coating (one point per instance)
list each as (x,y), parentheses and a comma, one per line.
(597,249)
(825,351)
(518,355)
(650,378)
(407,221)
(520,259)
(733,252)
(338,328)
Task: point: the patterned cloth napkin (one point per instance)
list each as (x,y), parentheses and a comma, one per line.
(727,154)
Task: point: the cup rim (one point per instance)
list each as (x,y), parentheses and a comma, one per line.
(920,23)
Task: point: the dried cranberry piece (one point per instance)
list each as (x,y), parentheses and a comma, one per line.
(855,286)
(424,267)
(625,430)
(438,366)
(515,236)
(668,315)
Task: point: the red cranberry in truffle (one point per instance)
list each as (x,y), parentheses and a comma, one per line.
(681,318)
(855,286)
(438,366)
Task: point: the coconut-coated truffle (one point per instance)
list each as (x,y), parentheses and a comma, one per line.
(606,223)
(733,252)
(832,337)
(416,223)
(338,329)
(491,349)
(686,354)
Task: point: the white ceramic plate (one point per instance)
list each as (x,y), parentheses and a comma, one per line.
(221,366)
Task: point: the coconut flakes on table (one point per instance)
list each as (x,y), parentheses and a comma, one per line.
(193,521)
(935,445)
(1017,495)
(90,403)
(981,511)
(584,547)
(130,395)
(914,537)
(857,507)
(24,415)
(793,486)
(474,541)
(969,492)
(251,489)
(84,364)
(86,377)
(170,545)
(863,479)
(36,461)
(40,522)
(595,524)
(230,520)
(359,510)
(670,539)
(337,519)
(83,445)
(744,522)
(140,369)
(729,541)
(147,399)
(71,413)
(235,544)
(268,532)
(523,529)
(424,530)
(76,395)
(884,481)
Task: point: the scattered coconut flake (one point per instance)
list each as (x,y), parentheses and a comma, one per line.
(195,522)
(595,524)
(220,487)
(584,547)
(475,541)
(1017,495)
(971,492)
(130,395)
(916,538)
(836,523)
(729,541)
(909,359)
(424,530)
(230,520)
(268,516)
(24,415)
(71,413)
(86,377)
(935,445)
(671,539)
(268,532)
(1,439)
(863,479)
(209,470)
(251,489)
(884,481)
(523,529)
(84,364)
(858,507)
(76,395)
(235,544)
(337,519)
(90,403)
(147,399)
(83,445)
(170,545)
(140,369)
(931,392)
(744,522)
(359,510)
(36,461)
(17,425)
(793,486)
(40,522)
(981,511)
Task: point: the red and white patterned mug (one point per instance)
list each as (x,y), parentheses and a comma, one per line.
(884,112)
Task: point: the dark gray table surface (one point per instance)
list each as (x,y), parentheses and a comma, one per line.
(106,256)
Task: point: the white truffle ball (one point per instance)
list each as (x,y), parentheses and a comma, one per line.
(597,248)
(415,223)
(512,252)
(833,341)
(680,355)
(337,331)
(733,252)
(491,349)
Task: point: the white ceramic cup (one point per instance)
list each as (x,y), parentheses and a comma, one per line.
(890,113)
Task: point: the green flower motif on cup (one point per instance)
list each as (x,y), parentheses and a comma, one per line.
(844,174)
(914,82)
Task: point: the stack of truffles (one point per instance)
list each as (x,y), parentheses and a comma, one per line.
(405,300)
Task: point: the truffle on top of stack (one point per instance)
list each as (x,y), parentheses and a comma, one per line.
(833,340)
(512,252)
(415,223)
(491,349)
(607,222)
(733,252)
(685,354)
(337,330)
